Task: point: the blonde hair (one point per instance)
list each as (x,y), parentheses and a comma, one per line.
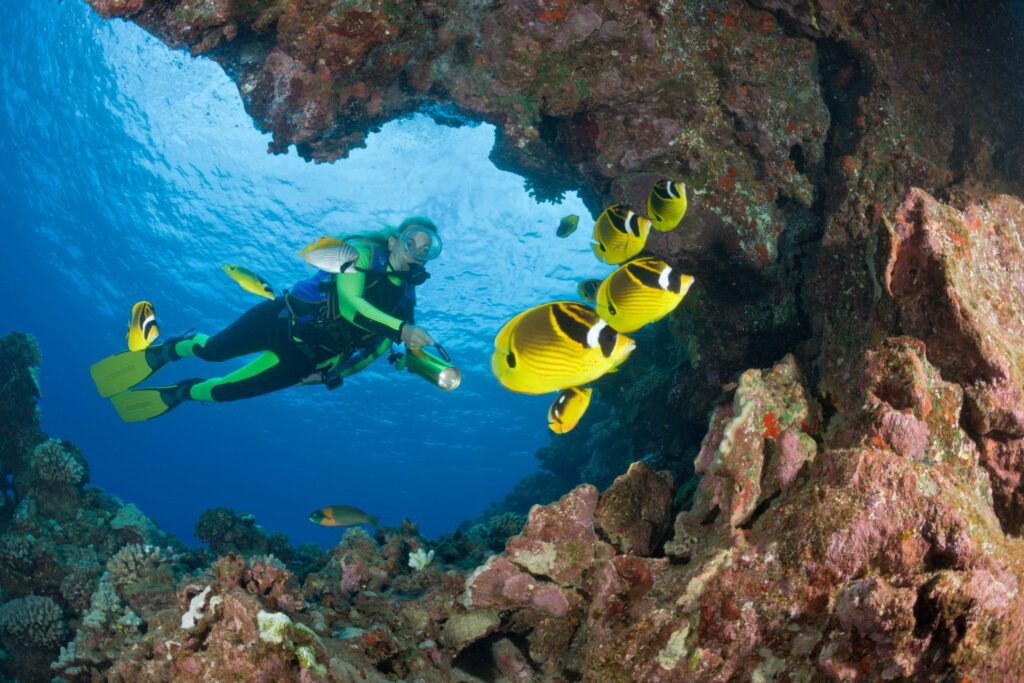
(381,235)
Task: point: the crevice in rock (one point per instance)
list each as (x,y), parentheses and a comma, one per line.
(711,516)
(937,559)
(477,659)
(761,508)
(926,612)
(931,623)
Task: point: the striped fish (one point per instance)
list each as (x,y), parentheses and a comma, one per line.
(567,410)
(640,292)
(666,204)
(619,234)
(249,281)
(330,254)
(142,329)
(555,346)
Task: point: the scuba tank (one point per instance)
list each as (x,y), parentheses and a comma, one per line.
(438,371)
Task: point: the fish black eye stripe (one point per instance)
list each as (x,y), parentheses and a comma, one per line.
(644,274)
(569,321)
(607,339)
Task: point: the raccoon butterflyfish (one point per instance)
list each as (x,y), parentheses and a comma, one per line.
(567,226)
(588,290)
(666,204)
(640,292)
(330,254)
(249,281)
(555,346)
(142,330)
(619,234)
(567,410)
(342,515)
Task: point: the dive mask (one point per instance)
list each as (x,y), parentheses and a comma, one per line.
(420,242)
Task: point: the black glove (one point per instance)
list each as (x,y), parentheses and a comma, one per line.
(332,379)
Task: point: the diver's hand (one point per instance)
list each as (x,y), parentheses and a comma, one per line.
(415,338)
(315,378)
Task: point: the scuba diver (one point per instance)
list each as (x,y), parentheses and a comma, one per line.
(326,328)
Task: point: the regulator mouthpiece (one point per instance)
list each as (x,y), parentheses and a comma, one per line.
(436,371)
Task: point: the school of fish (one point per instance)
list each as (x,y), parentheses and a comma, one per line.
(563,345)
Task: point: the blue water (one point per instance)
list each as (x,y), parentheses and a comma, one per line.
(129,171)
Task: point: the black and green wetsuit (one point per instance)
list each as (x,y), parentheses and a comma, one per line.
(333,324)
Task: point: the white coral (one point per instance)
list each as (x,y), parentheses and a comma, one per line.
(56,464)
(418,559)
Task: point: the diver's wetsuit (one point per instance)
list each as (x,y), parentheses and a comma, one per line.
(342,333)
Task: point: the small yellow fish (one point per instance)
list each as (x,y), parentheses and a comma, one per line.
(588,290)
(568,225)
(567,410)
(555,346)
(330,254)
(342,515)
(640,292)
(666,204)
(142,330)
(619,234)
(249,281)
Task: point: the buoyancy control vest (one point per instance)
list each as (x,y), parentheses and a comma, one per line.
(317,325)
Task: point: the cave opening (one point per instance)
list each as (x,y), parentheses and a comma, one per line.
(169,182)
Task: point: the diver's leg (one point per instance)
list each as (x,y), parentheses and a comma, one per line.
(269,372)
(262,328)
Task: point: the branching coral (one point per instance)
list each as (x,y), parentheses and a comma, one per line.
(57,462)
(133,562)
(33,621)
(16,551)
(77,588)
(104,603)
(419,559)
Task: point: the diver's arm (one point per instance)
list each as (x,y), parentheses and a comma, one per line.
(353,306)
(358,366)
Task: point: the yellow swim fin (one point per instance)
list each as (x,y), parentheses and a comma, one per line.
(138,405)
(124,370)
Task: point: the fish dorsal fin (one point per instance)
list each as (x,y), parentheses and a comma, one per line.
(324,242)
(573,321)
(619,216)
(647,272)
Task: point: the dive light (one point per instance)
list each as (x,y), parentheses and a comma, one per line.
(438,371)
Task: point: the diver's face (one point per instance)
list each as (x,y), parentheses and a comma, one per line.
(399,255)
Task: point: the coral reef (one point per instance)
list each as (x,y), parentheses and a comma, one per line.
(227,532)
(19,416)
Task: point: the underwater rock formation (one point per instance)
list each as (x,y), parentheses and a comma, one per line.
(869,551)
(853,333)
